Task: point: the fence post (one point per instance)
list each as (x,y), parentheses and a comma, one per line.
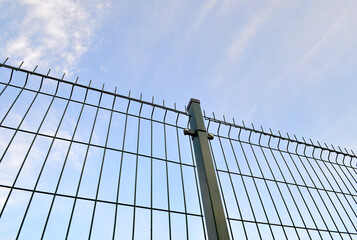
(213,209)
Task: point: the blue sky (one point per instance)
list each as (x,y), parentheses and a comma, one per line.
(288,65)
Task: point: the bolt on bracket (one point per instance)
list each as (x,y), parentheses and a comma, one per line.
(193,133)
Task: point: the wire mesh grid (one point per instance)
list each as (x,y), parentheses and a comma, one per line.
(276,187)
(84,163)
(79,162)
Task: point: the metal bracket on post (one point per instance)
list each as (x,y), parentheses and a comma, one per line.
(213,209)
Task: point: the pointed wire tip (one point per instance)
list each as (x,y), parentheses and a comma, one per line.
(333,147)
(64,74)
(214,116)
(48,72)
(5,61)
(340,148)
(21,64)
(327,146)
(35,69)
(346,151)
(261,127)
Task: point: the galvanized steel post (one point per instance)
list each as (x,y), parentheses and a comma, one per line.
(213,209)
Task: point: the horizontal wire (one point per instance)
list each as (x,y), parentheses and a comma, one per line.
(96,106)
(284,182)
(94,145)
(92,88)
(291,226)
(277,136)
(98,200)
(284,151)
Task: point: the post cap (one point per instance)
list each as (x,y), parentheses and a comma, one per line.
(193,100)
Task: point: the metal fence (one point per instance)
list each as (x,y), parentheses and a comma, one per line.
(78,162)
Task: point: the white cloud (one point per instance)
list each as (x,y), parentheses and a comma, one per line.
(241,42)
(248,32)
(202,15)
(51,32)
(324,41)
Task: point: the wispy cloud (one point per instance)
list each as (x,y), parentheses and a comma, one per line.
(248,32)
(314,50)
(240,42)
(52,32)
(202,15)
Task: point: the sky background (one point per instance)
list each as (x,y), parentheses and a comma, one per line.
(286,65)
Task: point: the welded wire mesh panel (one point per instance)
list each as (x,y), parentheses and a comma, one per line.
(274,187)
(78,162)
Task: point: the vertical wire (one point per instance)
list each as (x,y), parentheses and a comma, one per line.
(349,181)
(291,194)
(101,167)
(136,171)
(245,187)
(308,189)
(307,207)
(267,186)
(349,204)
(254,181)
(64,164)
(8,111)
(351,174)
(348,190)
(8,83)
(240,173)
(15,100)
(120,169)
(167,175)
(40,174)
(341,190)
(230,180)
(83,167)
(278,186)
(345,166)
(182,181)
(343,223)
(28,151)
(151,173)
(318,192)
(198,190)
